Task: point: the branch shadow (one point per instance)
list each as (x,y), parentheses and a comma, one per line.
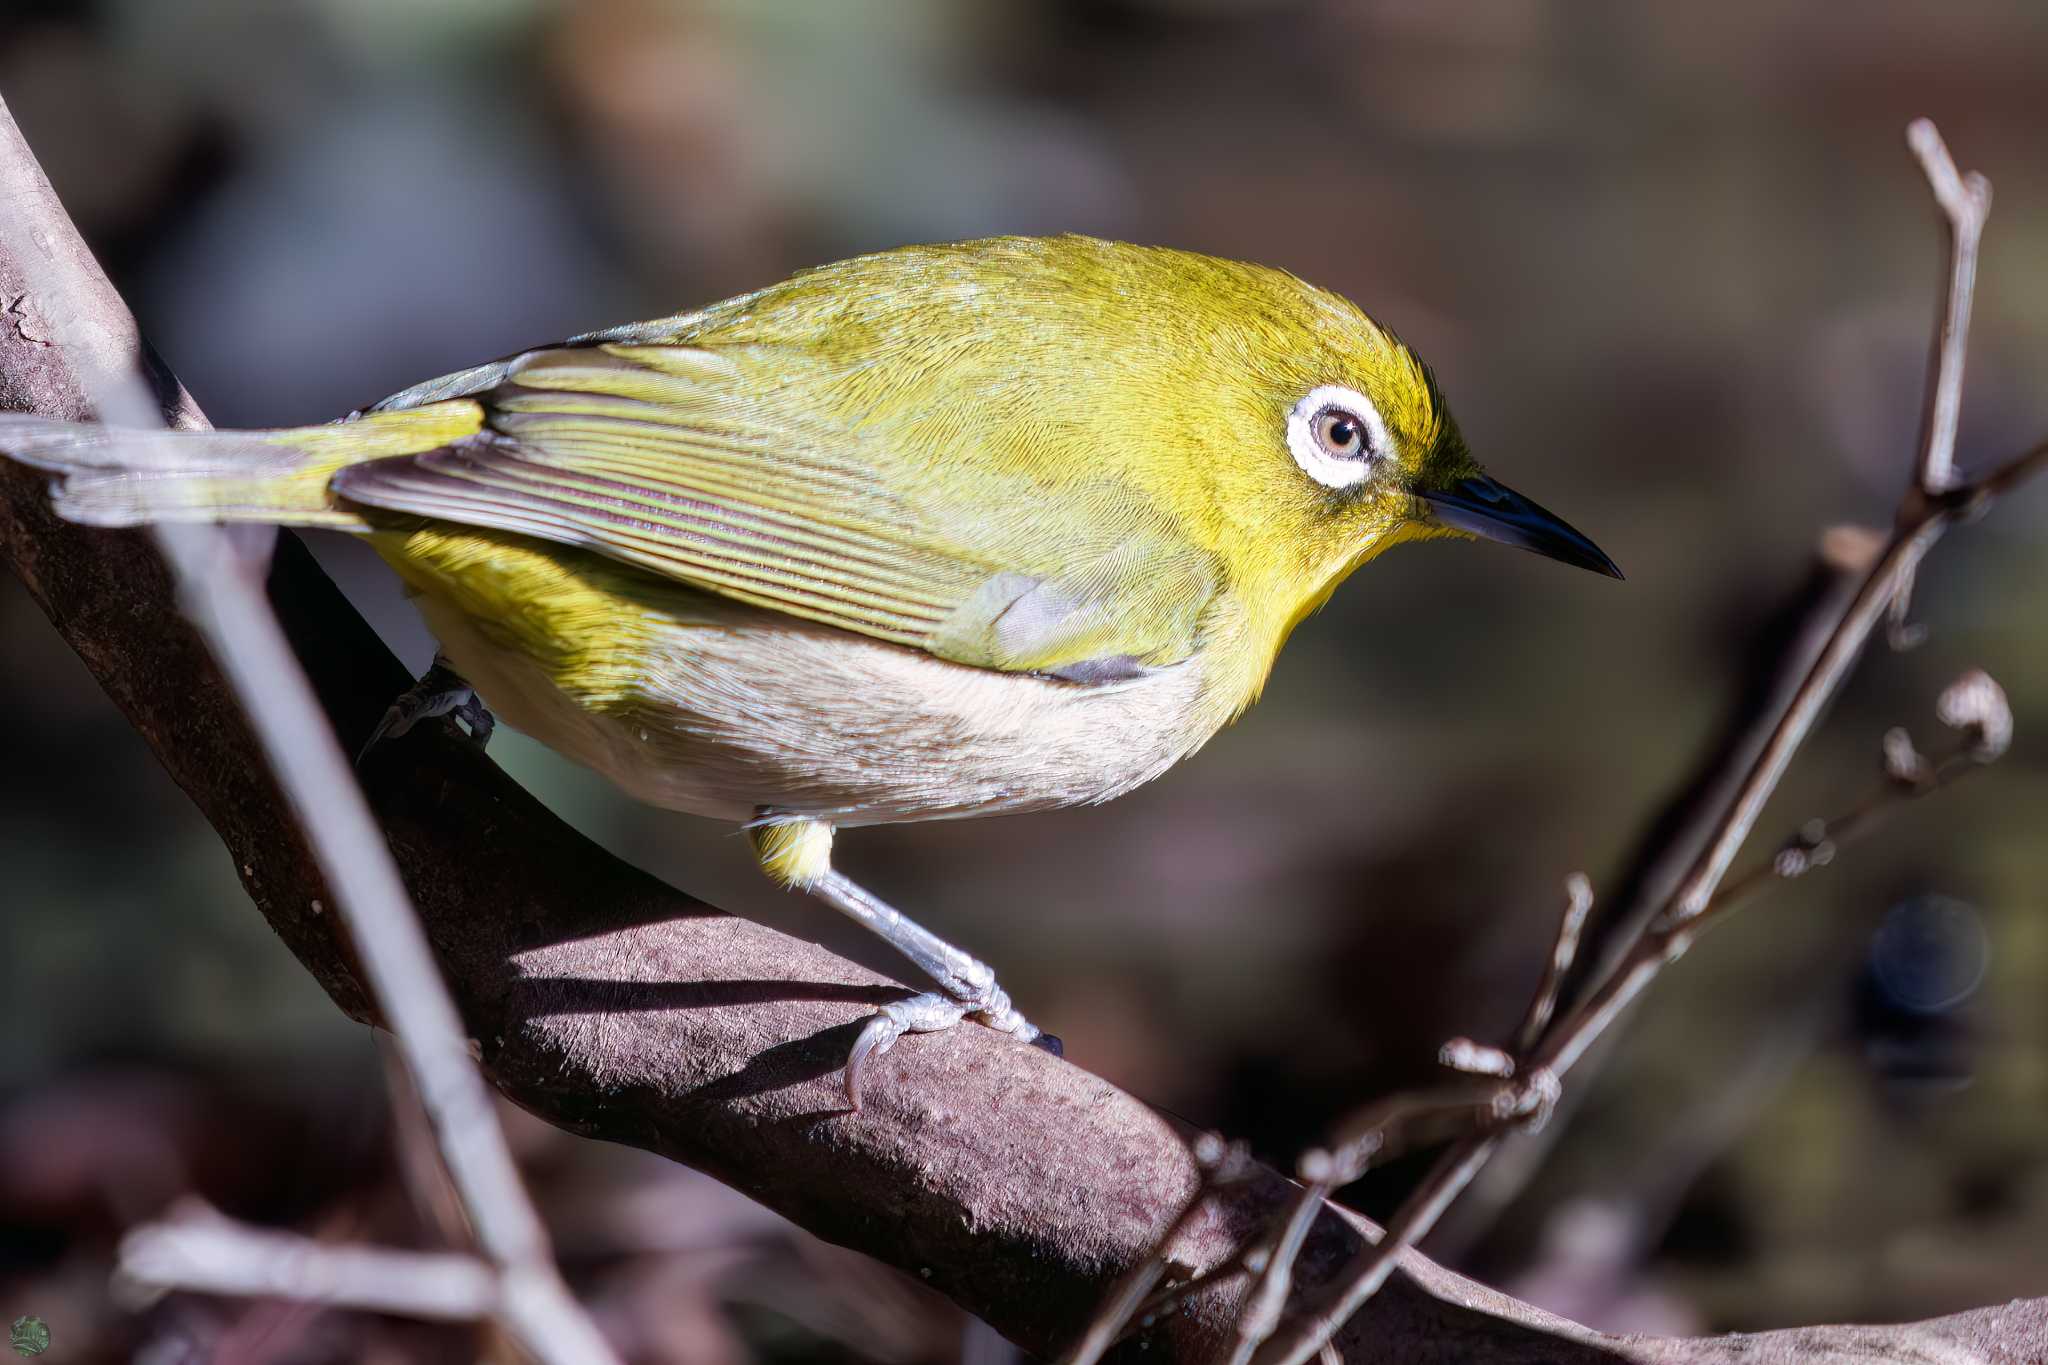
(780,1066)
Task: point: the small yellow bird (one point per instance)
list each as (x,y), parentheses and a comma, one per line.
(956,530)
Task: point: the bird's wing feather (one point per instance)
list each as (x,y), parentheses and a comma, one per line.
(677,459)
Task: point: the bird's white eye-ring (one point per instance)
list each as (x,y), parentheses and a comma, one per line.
(1335,434)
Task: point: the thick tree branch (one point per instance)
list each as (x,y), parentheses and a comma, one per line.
(613,1006)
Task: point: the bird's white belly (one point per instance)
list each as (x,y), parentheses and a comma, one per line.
(736,711)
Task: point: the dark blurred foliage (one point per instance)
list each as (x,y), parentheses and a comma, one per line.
(1676,271)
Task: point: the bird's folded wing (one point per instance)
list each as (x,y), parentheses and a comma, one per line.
(674,460)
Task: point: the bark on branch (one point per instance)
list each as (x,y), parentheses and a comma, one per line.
(615,1007)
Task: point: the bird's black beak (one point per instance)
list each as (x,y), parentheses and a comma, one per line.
(1493,511)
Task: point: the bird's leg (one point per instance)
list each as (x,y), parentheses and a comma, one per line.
(967,985)
(798,854)
(439,692)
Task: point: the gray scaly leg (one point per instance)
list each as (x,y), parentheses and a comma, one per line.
(798,853)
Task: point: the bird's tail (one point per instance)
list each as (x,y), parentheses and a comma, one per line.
(116,476)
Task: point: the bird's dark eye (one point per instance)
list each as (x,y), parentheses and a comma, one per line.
(1341,434)
(1336,436)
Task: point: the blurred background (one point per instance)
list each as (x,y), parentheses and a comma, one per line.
(1676,271)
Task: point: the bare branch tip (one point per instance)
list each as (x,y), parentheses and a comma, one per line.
(1976,705)
(1811,847)
(1925,139)
(1902,635)
(1940,168)
(1903,763)
(1475,1059)
(1578,893)
(1965,198)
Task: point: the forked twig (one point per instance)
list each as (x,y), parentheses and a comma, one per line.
(1366,1138)
(1965,202)
(1934,502)
(1369,1135)
(1908,777)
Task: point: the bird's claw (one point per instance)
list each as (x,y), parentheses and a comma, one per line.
(439,692)
(934,1012)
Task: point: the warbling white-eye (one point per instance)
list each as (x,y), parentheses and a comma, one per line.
(997,526)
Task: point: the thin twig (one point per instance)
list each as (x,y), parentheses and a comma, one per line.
(1965,201)
(1666,939)
(1259,1314)
(1818,841)
(222,590)
(1368,1138)
(1923,517)
(1654,949)
(1981,493)
(216,1255)
(1248,1258)
(1578,904)
(1369,1135)
(1843,554)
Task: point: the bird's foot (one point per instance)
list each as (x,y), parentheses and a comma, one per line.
(440,691)
(967,985)
(934,1012)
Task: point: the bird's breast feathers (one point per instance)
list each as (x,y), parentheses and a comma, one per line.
(697,702)
(914,535)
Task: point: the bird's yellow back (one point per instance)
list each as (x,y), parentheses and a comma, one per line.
(1057,455)
(942,530)
(1012,380)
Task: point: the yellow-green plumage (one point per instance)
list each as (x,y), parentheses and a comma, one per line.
(1053,457)
(898,443)
(943,531)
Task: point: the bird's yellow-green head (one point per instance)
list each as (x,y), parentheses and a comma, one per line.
(1336,443)
(1268,421)
(1059,455)
(1140,426)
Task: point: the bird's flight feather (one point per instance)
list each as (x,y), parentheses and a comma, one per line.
(753,451)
